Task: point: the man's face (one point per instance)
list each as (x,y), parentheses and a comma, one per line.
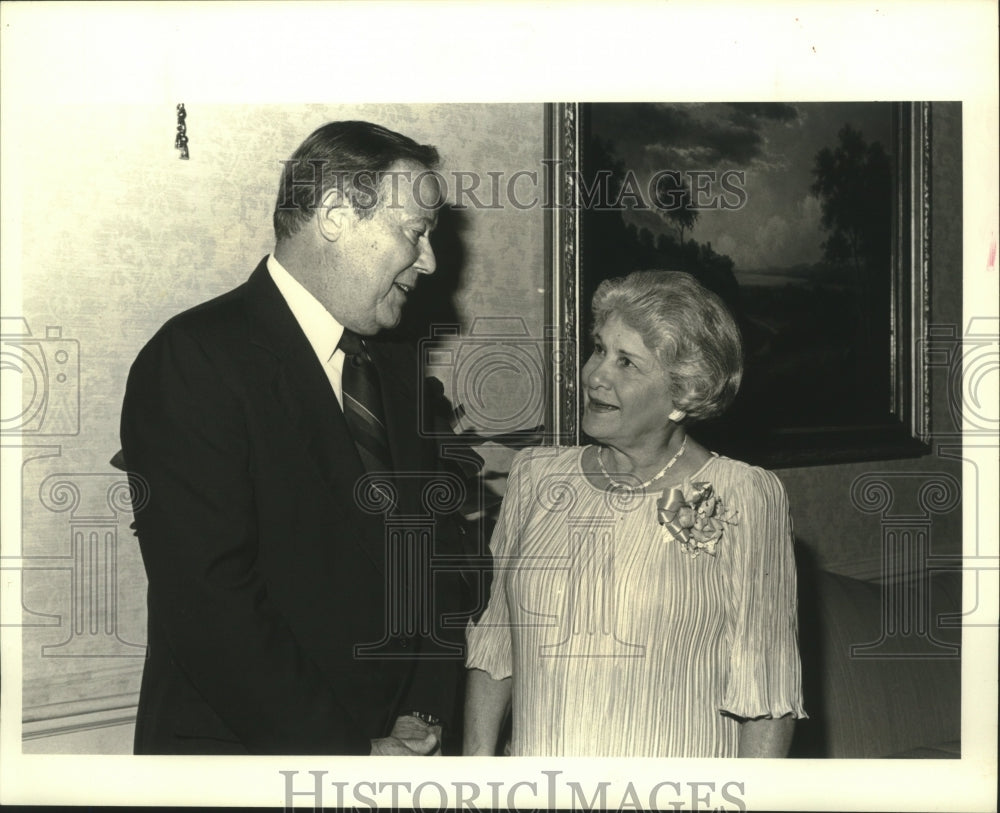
(376,262)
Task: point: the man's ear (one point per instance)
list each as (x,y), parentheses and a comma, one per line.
(333,215)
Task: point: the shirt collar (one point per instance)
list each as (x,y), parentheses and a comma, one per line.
(321,329)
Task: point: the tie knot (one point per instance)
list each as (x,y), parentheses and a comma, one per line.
(351,343)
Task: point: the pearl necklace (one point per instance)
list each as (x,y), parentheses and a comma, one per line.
(651,480)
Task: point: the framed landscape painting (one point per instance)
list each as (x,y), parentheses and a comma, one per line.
(808,219)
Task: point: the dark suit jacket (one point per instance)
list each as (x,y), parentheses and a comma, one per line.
(264,572)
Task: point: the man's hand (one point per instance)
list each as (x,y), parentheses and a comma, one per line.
(410,737)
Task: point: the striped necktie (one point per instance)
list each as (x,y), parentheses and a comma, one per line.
(363,404)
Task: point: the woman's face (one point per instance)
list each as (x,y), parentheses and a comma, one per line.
(627,390)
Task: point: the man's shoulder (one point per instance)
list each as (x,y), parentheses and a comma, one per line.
(218,328)
(221,317)
(225,310)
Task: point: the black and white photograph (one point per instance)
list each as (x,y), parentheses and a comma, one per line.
(443,391)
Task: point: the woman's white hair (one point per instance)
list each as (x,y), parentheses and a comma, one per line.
(688,327)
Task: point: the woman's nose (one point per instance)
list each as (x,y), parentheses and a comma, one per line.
(593,373)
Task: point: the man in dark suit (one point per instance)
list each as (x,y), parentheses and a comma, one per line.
(292,607)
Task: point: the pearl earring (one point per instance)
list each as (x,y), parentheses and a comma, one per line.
(676,415)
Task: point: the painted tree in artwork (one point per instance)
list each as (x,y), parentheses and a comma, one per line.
(673,200)
(853,182)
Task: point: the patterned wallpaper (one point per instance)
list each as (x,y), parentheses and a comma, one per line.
(118,234)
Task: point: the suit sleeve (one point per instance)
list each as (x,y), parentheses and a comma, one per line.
(184,434)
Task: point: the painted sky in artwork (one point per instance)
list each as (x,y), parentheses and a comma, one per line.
(773,143)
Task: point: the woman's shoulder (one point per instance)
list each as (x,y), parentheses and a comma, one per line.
(744,480)
(535,462)
(544,457)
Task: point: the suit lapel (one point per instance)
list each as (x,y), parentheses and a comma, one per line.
(297,381)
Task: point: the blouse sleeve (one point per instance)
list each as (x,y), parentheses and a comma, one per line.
(489,640)
(764,669)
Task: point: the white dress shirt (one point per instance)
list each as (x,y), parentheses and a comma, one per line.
(321,329)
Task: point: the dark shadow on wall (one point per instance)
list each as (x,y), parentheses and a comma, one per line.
(810,738)
(433,301)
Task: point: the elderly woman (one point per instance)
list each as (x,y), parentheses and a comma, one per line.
(643,602)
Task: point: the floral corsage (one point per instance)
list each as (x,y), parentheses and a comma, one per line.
(694,516)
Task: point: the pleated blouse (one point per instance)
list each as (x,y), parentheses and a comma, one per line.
(619,642)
